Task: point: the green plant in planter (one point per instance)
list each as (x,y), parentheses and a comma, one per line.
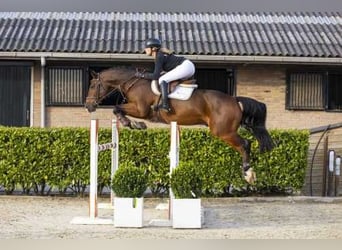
(129,181)
(186,181)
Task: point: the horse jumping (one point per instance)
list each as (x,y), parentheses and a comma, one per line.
(223,114)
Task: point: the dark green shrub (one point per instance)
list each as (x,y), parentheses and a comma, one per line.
(148,149)
(283,169)
(38,160)
(186,181)
(7,176)
(129,181)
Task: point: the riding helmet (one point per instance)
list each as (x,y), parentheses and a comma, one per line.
(153,43)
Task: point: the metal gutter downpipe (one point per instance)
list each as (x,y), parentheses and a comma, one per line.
(42,92)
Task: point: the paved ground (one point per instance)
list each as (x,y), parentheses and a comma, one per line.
(31,217)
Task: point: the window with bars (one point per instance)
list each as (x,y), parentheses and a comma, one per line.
(65,86)
(314,91)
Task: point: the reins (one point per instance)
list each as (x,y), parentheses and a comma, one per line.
(128,88)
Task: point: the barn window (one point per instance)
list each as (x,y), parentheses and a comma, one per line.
(334,100)
(65,86)
(314,91)
(218,79)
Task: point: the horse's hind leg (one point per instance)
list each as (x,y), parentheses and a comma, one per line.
(246,145)
(243,146)
(248,172)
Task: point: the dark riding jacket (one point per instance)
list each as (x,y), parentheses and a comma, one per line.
(164,62)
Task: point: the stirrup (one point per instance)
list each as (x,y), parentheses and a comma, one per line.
(165,108)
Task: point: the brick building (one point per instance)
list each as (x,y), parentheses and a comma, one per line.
(290,61)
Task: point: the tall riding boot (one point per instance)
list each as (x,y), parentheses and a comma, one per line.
(164,86)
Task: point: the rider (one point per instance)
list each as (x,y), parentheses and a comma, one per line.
(177,67)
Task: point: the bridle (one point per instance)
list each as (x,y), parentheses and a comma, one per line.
(120,88)
(98,85)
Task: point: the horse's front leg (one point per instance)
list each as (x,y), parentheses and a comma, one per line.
(120,115)
(120,112)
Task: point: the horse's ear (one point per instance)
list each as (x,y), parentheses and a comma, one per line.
(94,74)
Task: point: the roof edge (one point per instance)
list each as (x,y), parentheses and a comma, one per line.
(195,58)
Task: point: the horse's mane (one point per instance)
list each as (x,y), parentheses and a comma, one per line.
(126,68)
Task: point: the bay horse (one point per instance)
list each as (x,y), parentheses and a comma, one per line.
(222,113)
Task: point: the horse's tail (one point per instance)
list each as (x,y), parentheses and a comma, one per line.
(254,119)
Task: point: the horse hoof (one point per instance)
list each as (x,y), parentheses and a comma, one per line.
(142,125)
(125,123)
(250,176)
(138,125)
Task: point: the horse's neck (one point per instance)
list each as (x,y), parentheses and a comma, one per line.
(137,86)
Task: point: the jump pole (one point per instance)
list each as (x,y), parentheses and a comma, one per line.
(95,148)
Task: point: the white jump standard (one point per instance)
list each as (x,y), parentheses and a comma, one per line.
(174,160)
(183,213)
(95,148)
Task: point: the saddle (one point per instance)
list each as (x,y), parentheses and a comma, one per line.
(179,89)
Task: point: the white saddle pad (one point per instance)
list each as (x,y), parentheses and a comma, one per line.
(181,92)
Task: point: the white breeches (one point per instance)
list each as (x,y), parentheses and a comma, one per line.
(182,71)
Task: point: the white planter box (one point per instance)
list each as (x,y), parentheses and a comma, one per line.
(128,213)
(186,213)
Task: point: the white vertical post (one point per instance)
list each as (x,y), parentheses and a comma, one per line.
(42,92)
(115,153)
(174,157)
(331,172)
(93,168)
(337,174)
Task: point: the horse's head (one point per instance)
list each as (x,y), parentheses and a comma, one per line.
(97,90)
(106,82)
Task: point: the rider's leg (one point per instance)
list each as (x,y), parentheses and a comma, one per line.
(183,71)
(164,87)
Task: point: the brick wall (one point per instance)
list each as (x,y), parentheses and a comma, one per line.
(267,83)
